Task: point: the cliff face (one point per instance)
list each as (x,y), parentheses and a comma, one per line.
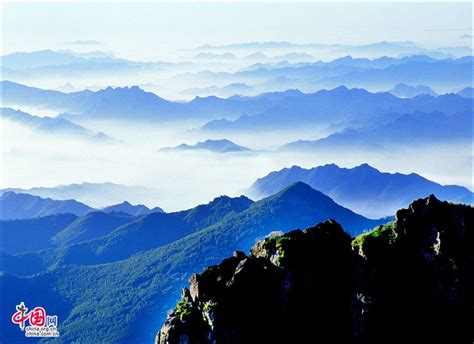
(409,281)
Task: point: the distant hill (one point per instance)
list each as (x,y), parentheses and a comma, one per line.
(40,58)
(97,195)
(147,283)
(212,56)
(28,235)
(51,125)
(372,49)
(400,130)
(467,92)
(421,68)
(67,64)
(217,146)
(363,189)
(23,206)
(258,56)
(441,74)
(134,210)
(122,101)
(408,91)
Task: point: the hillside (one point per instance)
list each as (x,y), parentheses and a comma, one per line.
(32,234)
(90,226)
(100,237)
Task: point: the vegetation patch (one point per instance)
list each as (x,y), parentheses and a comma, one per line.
(383,232)
(183,310)
(278,244)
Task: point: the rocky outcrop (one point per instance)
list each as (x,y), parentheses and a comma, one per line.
(408,281)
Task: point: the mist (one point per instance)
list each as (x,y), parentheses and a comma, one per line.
(185,179)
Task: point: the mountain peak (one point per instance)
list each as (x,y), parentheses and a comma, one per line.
(366,167)
(226,199)
(127,207)
(341,88)
(297,189)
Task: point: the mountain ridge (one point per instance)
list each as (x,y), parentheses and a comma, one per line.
(373,192)
(22,206)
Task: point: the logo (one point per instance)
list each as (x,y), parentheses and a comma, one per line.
(39,323)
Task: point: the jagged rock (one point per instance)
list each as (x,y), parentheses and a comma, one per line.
(411,280)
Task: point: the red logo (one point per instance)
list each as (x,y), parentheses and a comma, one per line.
(36,317)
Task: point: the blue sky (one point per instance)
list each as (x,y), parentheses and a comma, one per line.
(145,30)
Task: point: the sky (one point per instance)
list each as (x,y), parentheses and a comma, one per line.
(148,31)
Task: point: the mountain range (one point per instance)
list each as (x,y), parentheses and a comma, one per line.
(97,195)
(110,263)
(377,48)
(22,206)
(381,73)
(121,103)
(442,74)
(363,188)
(326,107)
(42,58)
(43,64)
(100,237)
(145,283)
(25,206)
(263,111)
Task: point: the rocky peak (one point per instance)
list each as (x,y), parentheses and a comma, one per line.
(413,278)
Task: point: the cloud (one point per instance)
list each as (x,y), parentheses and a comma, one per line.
(466,36)
(84,43)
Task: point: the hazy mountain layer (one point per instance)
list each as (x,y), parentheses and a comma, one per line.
(217,146)
(364,189)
